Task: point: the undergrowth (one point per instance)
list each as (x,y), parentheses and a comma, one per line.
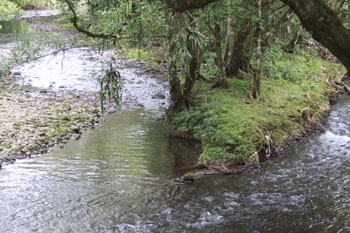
(232,127)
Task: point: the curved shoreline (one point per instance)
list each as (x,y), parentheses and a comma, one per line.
(231,168)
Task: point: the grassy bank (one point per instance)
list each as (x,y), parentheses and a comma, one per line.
(235,129)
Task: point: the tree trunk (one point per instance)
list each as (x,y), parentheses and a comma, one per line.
(195,64)
(176,96)
(222,80)
(234,61)
(259,57)
(180,93)
(290,47)
(325,27)
(230,35)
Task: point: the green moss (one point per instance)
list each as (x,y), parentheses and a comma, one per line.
(232,127)
(43,91)
(33,147)
(95,110)
(67,106)
(42,125)
(52,135)
(75,96)
(18,149)
(27,88)
(17,124)
(42,140)
(159,95)
(80,117)
(61,129)
(7,146)
(64,117)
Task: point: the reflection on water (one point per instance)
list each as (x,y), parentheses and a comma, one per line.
(16,29)
(11,31)
(13,27)
(96,183)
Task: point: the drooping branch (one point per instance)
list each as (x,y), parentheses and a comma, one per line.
(86,32)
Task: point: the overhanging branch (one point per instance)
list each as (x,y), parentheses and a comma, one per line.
(86,32)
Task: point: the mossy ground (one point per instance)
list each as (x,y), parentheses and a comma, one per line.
(234,128)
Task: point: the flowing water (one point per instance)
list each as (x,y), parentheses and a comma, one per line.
(118,178)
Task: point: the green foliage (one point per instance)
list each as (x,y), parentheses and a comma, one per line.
(30,4)
(7,146)
(186,36)
(7,10)
(137,53)
(293,67)
(132,19)
(189,177)
(33,147)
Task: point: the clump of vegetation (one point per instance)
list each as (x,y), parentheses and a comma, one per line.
(7,146)
(233,127)
(110,86)
(189,177)
(34,147)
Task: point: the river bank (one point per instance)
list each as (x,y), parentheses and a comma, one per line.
(35,120)
(237,132)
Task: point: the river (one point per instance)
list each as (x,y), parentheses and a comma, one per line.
(119,178)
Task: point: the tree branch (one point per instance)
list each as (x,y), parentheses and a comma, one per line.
(325,26)
(82,30)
